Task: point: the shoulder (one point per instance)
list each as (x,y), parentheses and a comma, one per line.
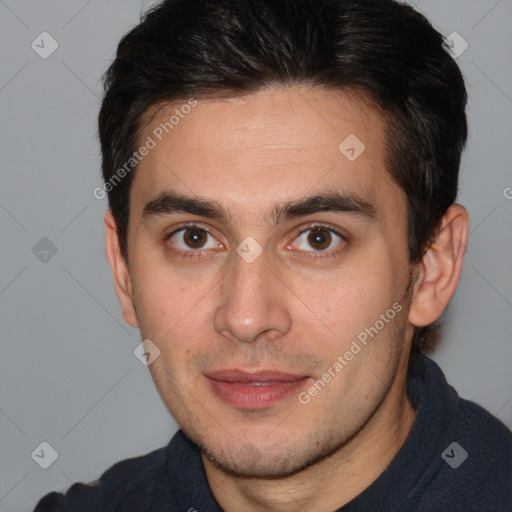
(470,450)
(141,475)
(488,438)
(476,472)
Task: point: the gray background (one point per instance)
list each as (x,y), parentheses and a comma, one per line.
(68,373)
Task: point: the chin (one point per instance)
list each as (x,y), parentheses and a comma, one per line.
(255,465)
(274,461)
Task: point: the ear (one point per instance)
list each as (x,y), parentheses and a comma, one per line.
(439,270)
(120,273)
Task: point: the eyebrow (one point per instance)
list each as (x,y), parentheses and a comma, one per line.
(169,202)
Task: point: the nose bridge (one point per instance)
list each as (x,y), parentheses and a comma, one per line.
(250,302)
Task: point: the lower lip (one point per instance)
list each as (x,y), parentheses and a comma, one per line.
(250,396)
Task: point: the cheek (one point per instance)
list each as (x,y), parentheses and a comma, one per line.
(164,300)
(343,307)
(352,309)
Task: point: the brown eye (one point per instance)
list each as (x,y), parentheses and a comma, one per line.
(194,238)
(189,238)
(318,239)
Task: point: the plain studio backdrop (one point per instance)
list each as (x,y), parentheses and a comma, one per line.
(68,373)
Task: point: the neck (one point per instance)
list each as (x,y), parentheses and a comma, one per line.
(334,481)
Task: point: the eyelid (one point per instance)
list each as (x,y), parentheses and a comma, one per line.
(296,233)
(320,226)
(187,225)
(195,254)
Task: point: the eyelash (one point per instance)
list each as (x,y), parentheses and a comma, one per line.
(309,254)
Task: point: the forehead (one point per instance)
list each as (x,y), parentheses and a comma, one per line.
(272,146)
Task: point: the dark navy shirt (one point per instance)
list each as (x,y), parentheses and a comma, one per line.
(456,458)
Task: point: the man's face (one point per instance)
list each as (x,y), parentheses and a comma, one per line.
(221,316)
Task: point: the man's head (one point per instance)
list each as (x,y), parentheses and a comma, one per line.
(198,48)
(291,212)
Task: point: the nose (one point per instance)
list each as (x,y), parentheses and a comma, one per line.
(253,301)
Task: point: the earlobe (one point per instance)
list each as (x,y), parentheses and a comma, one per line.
(119,269)
(439,271)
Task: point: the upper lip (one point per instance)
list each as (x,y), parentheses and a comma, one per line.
(260,376)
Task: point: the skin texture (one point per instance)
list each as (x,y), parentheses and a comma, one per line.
(287,310)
